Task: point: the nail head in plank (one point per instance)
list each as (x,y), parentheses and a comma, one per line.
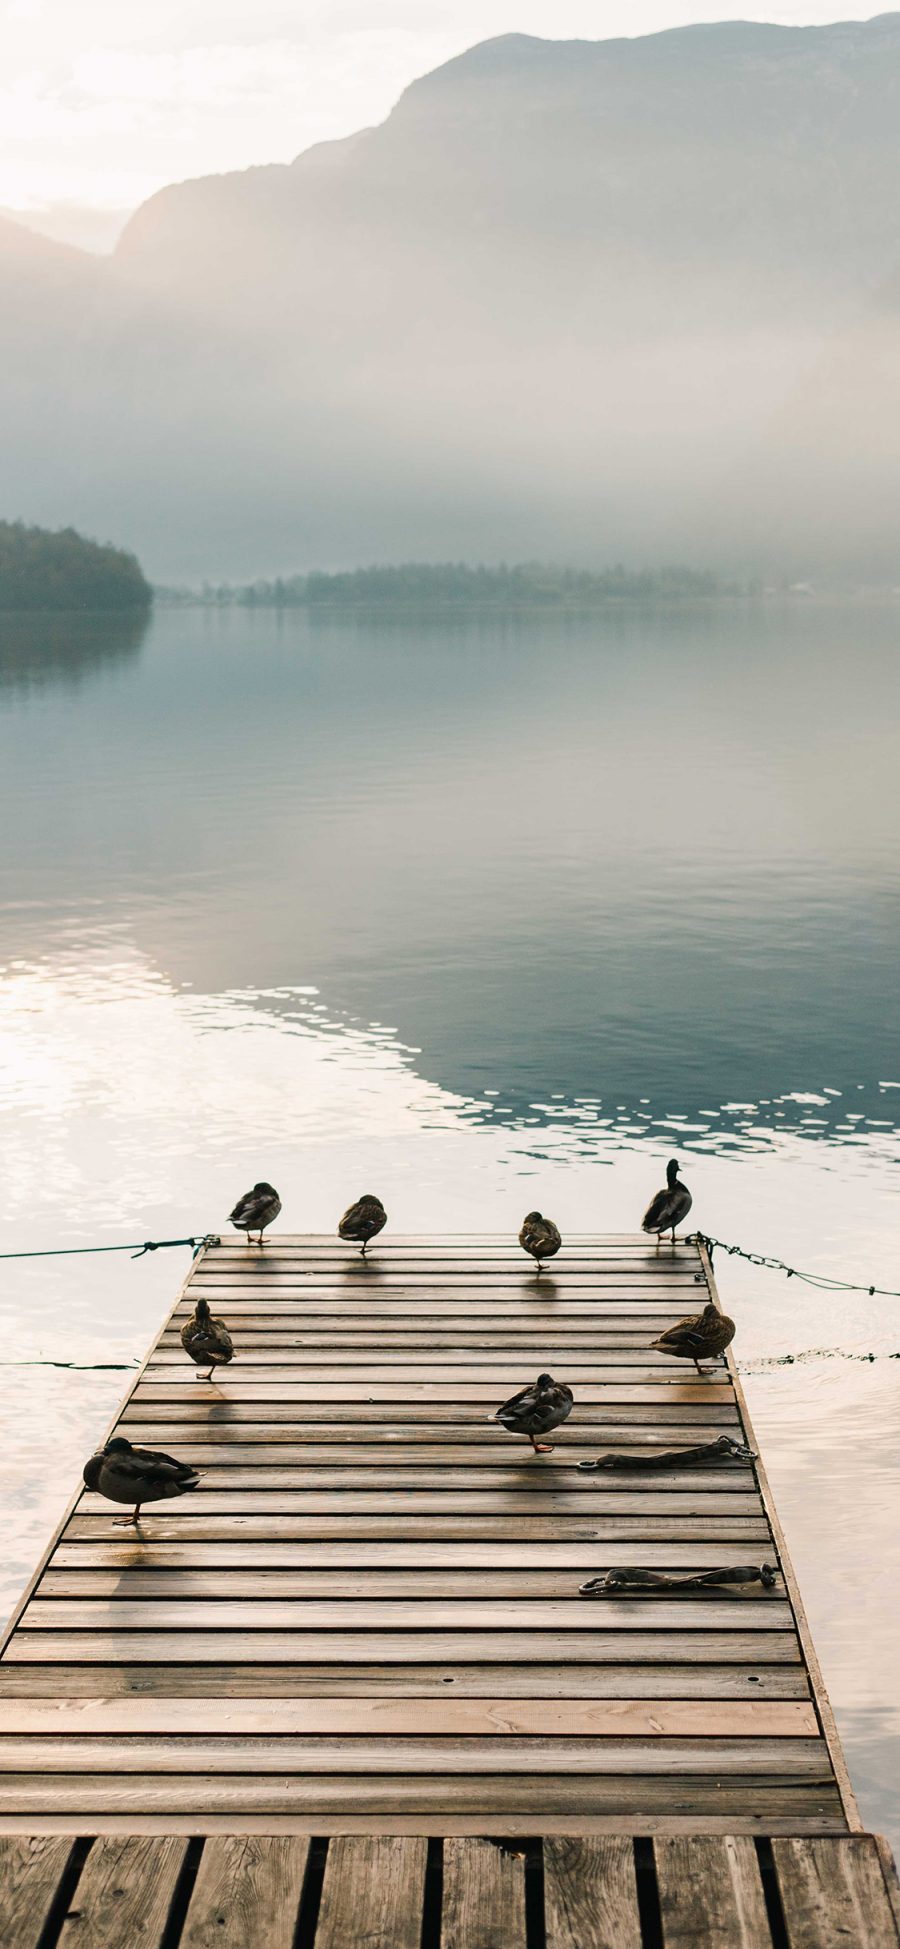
(124,1894)
(247,1893)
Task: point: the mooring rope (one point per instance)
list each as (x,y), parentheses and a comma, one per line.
(821,1279)
(137,1251)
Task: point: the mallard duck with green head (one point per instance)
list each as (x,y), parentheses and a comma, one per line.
(702,1336)
(137,1475)
(536,1410)
(207,1340)
(363,1221)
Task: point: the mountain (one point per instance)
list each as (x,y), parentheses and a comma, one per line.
(552,306)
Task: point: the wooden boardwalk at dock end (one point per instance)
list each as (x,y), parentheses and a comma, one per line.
(365,1623)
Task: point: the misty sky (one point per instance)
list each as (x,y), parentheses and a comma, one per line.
(101,102)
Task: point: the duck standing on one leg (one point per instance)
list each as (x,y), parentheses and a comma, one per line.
(206,1339)
(540,1237)
(670,1207)
(536,1410)
(363,1221)
(255,1210)
(701,1337)
(137,1475)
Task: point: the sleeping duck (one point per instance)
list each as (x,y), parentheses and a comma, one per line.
(137,1475)
(701,1337)
(207,1340)
(363,1221)
(255,1210)
(670,1207)
(540,1237)
(535,1410)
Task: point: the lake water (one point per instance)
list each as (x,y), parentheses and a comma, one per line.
(480,913)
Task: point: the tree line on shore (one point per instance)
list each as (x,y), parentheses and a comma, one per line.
(455,584)
(63,571)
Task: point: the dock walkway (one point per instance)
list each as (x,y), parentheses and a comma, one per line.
(367,1620)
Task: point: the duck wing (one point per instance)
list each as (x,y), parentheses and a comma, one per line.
(685,1333)
(519,1406)
(149,1459)
(654,1219)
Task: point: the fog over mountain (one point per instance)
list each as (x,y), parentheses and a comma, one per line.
(573,299)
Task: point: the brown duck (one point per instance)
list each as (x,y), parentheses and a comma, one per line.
(363,1221)
(540,1237)
(535,1410)
(206,1340)
(137,1475)
(703,1336)
(255,1210)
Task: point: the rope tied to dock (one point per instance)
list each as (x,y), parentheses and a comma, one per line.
(771,1264)
(136,1250)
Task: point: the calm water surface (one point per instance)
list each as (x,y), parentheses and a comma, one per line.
(484,914)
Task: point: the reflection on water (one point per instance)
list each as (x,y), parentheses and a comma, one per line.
(65,649)
(480,915)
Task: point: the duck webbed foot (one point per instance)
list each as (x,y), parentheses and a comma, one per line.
(542,1447)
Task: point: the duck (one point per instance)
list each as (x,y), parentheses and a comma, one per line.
(669,1207)
(255,1210)
(363,1221)
(539,1236)
(137,1475)
(535,1410)
(702,1336)
(206,1339)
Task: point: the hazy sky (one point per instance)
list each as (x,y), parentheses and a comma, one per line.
(102,101)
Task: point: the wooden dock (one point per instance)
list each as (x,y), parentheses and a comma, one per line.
(365,1626)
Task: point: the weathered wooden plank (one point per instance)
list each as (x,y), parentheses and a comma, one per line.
(124,1894)
(483,1897)
(758,1799)
(127,1679)
(247,1893)
(143,1556)
(834,1894)
(183,1526)
(237,1449)
(710,1894)
(583,1505)
(498,1367)
(223,1422)
(461,1392)
(440,1825)
(30,1872)
(202,1586)
(659,1646)
(700,1412)
(590,1894)
(446,1753)
(546,1718)
(510,1475)
(427,1326)
(373,1892)
(722,1612)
